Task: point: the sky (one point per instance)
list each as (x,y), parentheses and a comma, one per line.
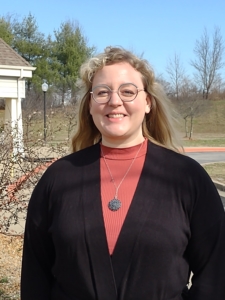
(156,29)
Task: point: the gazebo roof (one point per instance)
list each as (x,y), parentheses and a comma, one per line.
(9,57)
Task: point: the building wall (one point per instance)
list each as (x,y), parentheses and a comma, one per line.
(9,87)
(16,72)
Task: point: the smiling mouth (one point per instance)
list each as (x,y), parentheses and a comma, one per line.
(115,116)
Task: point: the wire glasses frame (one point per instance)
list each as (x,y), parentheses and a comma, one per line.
(127,92)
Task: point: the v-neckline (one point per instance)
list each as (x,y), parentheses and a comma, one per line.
(109,271)
(133,223)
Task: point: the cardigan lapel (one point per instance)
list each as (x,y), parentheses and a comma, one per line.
(134,221)
(94,227)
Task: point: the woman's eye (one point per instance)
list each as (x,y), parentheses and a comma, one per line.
(103,93)
(127,93)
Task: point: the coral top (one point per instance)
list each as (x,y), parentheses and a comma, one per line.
(119,160)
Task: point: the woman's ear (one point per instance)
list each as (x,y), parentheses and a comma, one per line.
(148,104)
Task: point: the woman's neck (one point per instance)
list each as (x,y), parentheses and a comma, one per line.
(117,143)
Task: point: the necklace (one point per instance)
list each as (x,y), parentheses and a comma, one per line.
(115,203)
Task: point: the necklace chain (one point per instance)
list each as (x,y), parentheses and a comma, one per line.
(110,173)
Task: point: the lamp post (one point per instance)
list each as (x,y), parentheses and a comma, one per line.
(44,89)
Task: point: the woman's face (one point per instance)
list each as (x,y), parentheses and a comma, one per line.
(120,123)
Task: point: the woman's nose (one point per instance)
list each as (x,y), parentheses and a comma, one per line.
(115,99)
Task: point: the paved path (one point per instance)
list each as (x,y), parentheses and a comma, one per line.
(208,155)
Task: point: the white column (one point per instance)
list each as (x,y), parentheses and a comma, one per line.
(10,113)
(19,119)
(13,124)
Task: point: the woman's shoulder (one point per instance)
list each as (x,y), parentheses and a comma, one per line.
(185,174)
(175,163)
(67,166)
(79,158)
(171,156)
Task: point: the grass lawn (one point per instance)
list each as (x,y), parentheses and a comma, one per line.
(216,171)
(201,142)
(210,122)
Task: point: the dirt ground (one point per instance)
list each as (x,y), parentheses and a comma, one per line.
(10,266)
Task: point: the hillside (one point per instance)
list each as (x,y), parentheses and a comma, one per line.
(211,123)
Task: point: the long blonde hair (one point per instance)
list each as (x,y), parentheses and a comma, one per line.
(157,125)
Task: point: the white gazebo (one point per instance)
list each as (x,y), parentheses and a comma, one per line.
(13,71)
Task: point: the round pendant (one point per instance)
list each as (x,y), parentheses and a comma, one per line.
(114,204)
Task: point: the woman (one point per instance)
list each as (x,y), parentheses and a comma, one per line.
(126,216)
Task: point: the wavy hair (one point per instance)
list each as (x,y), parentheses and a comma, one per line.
(158,123)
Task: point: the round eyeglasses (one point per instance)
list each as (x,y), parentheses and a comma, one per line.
(127,92)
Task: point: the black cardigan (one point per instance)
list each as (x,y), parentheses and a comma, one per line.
(175,224)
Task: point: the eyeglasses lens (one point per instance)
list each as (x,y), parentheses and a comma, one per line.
(126,92)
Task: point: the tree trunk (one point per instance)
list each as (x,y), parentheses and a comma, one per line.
(186,127)
(191,128)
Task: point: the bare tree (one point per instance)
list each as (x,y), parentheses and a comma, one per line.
(190,105)
(209,59)
(218,88)
(176,73)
